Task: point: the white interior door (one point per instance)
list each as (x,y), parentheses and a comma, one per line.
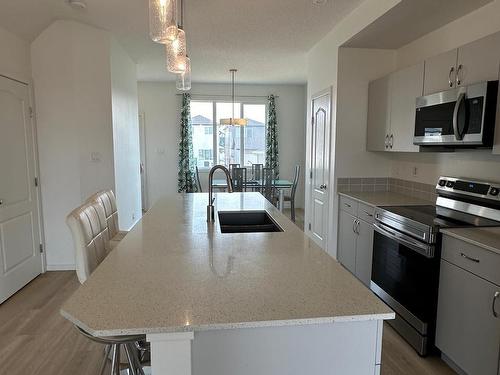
(20,258)
(320,154)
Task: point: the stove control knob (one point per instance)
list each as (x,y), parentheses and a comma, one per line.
(450,184)
(442,182)
(494,191)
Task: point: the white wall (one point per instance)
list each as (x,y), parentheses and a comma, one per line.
(125,136)
(161,107)
(15,57)
(72,80)
(323,72)
(476,164)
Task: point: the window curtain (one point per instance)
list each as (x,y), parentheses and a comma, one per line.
(272,157)
(185,175)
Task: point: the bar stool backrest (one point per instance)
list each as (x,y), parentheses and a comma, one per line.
(90,237)
(198,182)
(107,199)
(295,181)
(239,177)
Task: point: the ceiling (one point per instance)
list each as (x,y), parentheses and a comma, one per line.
(411,19)
(266,41)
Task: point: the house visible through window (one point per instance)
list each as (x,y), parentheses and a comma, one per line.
(222,144)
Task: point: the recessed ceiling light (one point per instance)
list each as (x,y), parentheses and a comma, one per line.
(81,4)
(319,2)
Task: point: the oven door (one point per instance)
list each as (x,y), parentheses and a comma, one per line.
(404,277)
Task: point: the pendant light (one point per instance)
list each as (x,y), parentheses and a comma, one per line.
(183,81)
(162,20)
(233,121)
(176,49)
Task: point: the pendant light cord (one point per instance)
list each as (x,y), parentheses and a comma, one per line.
(232,92)
(181,23)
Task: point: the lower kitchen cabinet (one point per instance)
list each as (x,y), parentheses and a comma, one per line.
(468,332)
(355,240)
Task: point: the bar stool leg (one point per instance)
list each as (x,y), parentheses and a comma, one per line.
(135,357)
(115,363)
(105,359)
(131,363)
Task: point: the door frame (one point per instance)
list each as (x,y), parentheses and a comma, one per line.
(309,190)
(143,159)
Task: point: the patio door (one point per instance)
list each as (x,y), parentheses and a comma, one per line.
(319,168)
(20,257)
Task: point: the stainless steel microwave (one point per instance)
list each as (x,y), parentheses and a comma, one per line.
(461,117)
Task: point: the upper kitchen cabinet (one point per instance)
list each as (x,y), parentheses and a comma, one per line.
(406,86)
(440,72)
(475,62)
(479,61)
(391,110)
(379,111)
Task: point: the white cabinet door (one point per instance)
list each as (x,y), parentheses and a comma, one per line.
(406,86)
(379,109)
(479,61)
(347,241)
(364,252)
(20,258)
(440,72)
(467,332)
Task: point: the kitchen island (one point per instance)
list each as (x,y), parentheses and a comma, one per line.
(214,303)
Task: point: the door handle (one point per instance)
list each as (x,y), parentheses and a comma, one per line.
(450,81)
(495,297)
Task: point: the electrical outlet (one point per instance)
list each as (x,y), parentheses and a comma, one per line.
(95,156)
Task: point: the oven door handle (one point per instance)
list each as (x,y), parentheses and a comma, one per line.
(423,249)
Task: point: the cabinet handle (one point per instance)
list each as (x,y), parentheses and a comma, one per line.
(450,81)
(386,141)
(347,205)
(368,214)
(354,226)
(357,227)
(495,297)
(1,202)
(475,260)
(391,141)
(457,78)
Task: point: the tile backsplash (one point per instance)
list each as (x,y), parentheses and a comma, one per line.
(373,184)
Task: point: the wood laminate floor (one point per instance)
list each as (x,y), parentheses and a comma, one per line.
(36,340)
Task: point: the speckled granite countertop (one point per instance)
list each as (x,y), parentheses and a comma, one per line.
(176,272)
(487,238)
(385,198)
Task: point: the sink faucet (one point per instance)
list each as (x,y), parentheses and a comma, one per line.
(210,207)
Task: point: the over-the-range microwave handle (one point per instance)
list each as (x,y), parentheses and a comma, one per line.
(423,249)
(461,99)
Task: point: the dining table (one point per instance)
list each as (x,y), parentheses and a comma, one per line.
(279,184)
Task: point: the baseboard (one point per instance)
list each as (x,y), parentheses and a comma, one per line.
(60,267)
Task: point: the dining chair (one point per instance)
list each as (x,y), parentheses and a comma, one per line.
(257,171)
(89,230)
(291,198)
(106,198)
(268,185)
(239,177)
(231,167)
(198,182)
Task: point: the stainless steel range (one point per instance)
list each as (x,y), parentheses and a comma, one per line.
(407,251)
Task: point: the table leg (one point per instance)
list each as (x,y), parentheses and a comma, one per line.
(282,199)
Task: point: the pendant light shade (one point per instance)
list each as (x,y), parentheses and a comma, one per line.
(162,20)
(176,53)
(183,82)
(233,121)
